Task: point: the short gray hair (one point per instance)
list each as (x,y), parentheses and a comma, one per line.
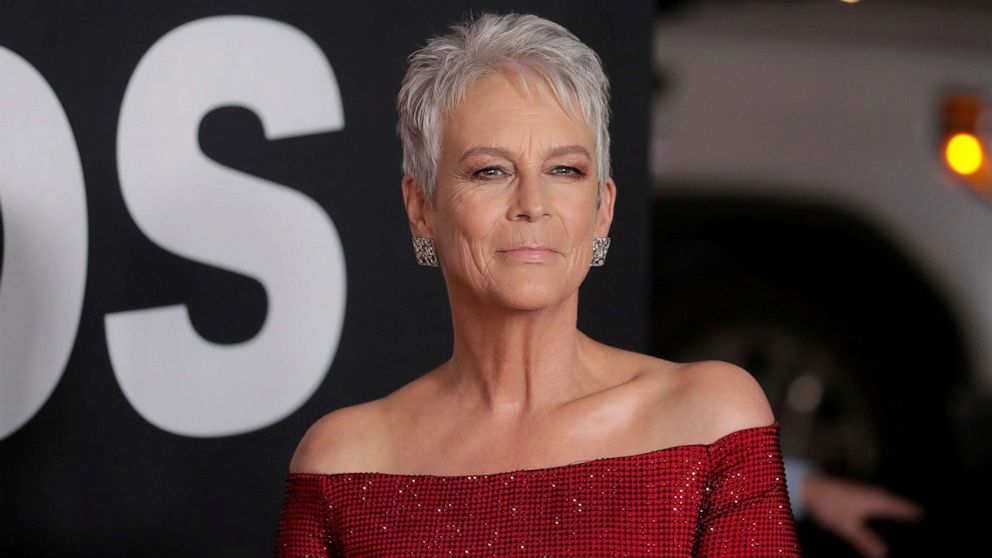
(439,74)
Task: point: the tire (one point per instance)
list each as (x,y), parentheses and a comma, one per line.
(826,388)
(812,374)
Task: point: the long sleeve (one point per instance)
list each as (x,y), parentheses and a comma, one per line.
(747,512)
(302,529)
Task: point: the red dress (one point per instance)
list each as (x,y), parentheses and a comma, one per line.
(726,498)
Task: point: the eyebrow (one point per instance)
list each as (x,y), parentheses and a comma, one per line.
(502,152)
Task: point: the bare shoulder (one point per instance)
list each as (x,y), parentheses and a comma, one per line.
(722,398)
(343,440)
(641,367)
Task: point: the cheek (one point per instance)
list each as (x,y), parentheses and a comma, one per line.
(579,215)
(469,221)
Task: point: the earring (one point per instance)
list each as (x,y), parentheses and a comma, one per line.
(424,249)
(600,244)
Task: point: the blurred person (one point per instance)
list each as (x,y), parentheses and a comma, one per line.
(532,439)
(843,507)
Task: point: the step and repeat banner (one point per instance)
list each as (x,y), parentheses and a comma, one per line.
(204,249)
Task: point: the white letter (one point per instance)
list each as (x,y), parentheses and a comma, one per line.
(44,241)
(194,207)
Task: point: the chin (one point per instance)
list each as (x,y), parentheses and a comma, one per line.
(532,296)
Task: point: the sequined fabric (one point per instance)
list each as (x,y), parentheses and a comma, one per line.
(727,498)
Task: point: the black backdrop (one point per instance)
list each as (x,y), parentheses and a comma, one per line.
(109,443)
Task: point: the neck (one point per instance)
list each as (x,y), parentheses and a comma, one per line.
(514,364)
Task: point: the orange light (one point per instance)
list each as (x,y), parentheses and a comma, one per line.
(964,153)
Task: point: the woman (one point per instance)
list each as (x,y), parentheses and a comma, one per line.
(533,439)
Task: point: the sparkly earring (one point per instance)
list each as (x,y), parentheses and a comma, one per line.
(424,249)
(600,244)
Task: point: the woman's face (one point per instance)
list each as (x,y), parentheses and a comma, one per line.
(514,211)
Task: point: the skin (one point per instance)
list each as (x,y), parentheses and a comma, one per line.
(516,349)
(524,388)
(844,508)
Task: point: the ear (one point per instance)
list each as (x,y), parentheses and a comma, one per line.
(604,213)
(417,208)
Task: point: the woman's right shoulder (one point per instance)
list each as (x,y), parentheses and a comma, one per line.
(340,441)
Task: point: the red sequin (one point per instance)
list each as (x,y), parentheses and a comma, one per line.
(727,498)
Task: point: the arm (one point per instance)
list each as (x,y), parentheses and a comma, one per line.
(302,529)
(747,512)
(326,446)
(746,509)
(845,508)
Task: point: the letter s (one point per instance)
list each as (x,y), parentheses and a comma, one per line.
(44,241)
(195,207)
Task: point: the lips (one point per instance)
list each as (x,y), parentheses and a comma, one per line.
(530,247)
(534,253)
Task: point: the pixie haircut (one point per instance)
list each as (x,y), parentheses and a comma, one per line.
(439,74)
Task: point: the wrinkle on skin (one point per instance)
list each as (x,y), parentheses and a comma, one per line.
(517,350)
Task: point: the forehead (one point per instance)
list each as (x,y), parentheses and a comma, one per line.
(498,111)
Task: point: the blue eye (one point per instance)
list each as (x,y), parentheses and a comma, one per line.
(570,171)
(488,172)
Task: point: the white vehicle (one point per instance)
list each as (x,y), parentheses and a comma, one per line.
(823,218)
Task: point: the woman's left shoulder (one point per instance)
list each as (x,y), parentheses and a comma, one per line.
(716,397)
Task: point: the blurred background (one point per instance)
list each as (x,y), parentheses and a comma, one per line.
(203,250)
(821,215)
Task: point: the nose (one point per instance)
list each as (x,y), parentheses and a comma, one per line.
(531,199)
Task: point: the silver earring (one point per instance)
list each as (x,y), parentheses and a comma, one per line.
(424,249)
(600,244)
